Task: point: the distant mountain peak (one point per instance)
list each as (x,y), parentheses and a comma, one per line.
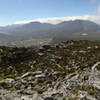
(68,29)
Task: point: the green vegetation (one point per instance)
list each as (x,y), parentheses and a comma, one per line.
(66,57)
(39,90)
(2,84)
(62,69)
(89,89)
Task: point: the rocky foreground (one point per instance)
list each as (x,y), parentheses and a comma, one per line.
(65,71)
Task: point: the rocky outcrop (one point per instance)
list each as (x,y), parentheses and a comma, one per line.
(53,73)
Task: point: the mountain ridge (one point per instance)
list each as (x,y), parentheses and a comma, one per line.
(66,29)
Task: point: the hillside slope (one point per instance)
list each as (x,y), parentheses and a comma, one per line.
(65,71)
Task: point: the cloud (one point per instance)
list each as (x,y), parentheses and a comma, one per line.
(57,20)
(98,9)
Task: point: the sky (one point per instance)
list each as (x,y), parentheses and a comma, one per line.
(16,11)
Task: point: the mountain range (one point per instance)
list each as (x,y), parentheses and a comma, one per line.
(77,29)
